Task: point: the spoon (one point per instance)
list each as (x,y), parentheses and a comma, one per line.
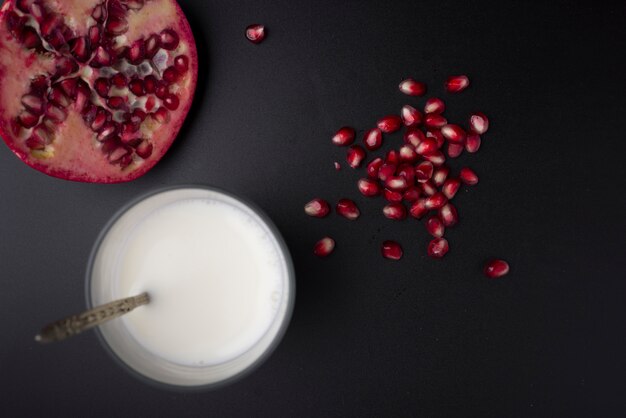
(75,324)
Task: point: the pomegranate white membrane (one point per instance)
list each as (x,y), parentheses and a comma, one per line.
(219,280)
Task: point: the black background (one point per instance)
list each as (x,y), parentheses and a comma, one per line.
(371,337)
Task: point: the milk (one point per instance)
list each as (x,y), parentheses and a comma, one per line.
(215,277)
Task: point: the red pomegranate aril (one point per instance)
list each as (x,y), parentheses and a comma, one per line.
(407,171)
(411,87)
(102,58)
(144,149)
(428,188)
(55,113)
(418,209)
(137,52)
(255,33)
(128,131)
(169,39)
(35,143)
(50,24)
(435,227)
(119,80)
(337,166)
(116,102)
(348,209)
(162,90)
(171,102)
(116,26)
(136,86)
(434,105)
(427,146)
(414,137)
(138,116)
(109,145)
(438,247)
(407,153)
(450,187)
(453,133)
(397,183)
(448,215)
(457,83)
(317,208)
(117,154)
(28,120)
(468,176)
(389,123)
(30,38)
(454,150)
(411,116)
(434,120)
(440,175)
(94,35)
(412,194)
(472,143)
(373,167)
(373,139)
(369,187)
(161,115)
(108,130)
(58,97)
(102,116)
(355,156)
(153,43)
(33,103)
(386,171)
(99,13)
(69,86)
(391,250)
(181,63)
(424,171)
(324,247)
(496,268)
(435,134)
(392,157)
(436,201)
(344,136)
(395,211)
(478,122)
(150,84)
(392,196)
(170,75)
(102,86)
(437,158)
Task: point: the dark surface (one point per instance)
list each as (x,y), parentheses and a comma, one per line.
(370,337)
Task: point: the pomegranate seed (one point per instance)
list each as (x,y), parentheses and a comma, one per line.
(150,84)
(453,133)
(436,201)
(373,167)
(433,120)
(136,86)
(386,171)
(169,39)
(391,250)
(392,196)
(181,63)
(389,123)
(437,158)
(454,150)
(144,149)
(324,247)
(255,33)
(468,176)
(450,187)
(457,83)
(478,123)
(138,116)
(414,137)
(408,172)
(355,156)
(440,175)
(369,187)
(161,115)
(427,146)
(407,153)
(412,194)
(102,86)
(55,113)
(116,102)
(373,139)
(438,247)
(94,35)
(472,143)
(448,215)
(101,117)
(171,102)
(108,130)
(418,209)
(57,96)
(423,171)
(116,26)
(318,208)
(496,268)
(347,208)
(33,103)
(153,44)
(411,116)
(119,80)
(162,90)
(392,157)
(411,87)
(435,227)
(137,52)
(344,136)
(28,120)
(436,135)
(170,75)
(337,166)
(428,188)
(395,211)
(397,183)
(434,105)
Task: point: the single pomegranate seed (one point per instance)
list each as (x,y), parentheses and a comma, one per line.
(450,187)
(408,172)
(33,103)
(28,120)
(386,171)
(448,215)
(144,149)
(411,87)
(80,48)
(411,116)
(435,134)
(369,187)
(116,102)
(391,250)
(102,116)
(344,136)
(347,208)
(389,123)
(435,227)
(428,188)
(57,96)
(427,146)
(324,247)
(171,102)
(436,201)
(255,33)
(392,196)
(434,105)
(150,84)
(472,143)
(395,211)
(392,157)
(355,156)
(437,158)
(337,166)
(440,175)
(373,139)
(317,208)
(161,115)
(162,90)
(397,183)
(153,44)
(407,153)
(138,116)
(119,80)
(169,39)
(418,209)
(414,137)
(181,63)
(55,113)
(424,171)
(468,176)
(457,83)
(94,35)
(478,123)
(496,268)
(453,133)
(438,247)
(412,194)
(99,13)
(454,150)
(116,26)
(434,120)
(136,86)
(102,86)
(373,167)
(170,75)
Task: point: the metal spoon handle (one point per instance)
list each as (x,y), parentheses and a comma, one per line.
(75,324)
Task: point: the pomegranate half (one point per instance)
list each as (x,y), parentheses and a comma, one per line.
(94,90)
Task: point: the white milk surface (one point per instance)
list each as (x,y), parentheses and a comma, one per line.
(213,273)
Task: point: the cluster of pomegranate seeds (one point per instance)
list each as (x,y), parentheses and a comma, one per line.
(255,33)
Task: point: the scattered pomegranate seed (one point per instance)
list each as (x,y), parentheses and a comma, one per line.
(428,188)
(347,208)
(453,133)
(317,208)
(373,139)
(440,175)
(448,215)
(434,120)
(438,247)
(395,211)
(373,167)
(434,105)
(457,83)
(386,171)
(392,196)
(391,250)
(255,33)
(344,136)
(392,157)
(468,176)
(418,209)
(450,187)
(411,87)
(407,171)
(407,153)
(436,135)
(337,166)
(397,183)
(412,194)
(437,158)
(414,137)
(369,187)
(355,156)
(411,116)
(324,247)
(435,201)
(435,227)
(389,123)
(472,143)
(424,171)
(496,268)
(454,150)
(427,146)
(478,123)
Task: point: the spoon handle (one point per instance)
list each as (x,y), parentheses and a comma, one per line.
(75,324)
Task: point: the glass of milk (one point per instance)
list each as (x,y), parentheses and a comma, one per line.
(220,280)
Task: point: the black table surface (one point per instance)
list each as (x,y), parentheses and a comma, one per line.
(371,337)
